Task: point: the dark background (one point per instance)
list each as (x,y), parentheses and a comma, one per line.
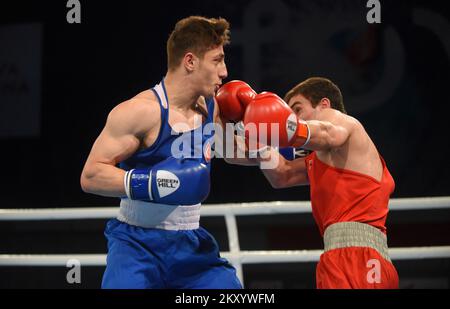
(394,77)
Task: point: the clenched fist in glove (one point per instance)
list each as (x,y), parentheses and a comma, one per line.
(233,98)
(267,112)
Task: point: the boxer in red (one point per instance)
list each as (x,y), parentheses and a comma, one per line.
(349,181)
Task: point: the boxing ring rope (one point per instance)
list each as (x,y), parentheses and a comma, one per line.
(236,256)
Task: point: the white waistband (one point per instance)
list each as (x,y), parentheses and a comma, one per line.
(355,234)
(160,216)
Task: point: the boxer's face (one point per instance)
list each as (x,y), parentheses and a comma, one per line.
(211,71)
(302,107)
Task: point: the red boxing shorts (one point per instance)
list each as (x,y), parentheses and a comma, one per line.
(355,257)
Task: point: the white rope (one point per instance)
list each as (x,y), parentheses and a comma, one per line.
(51,259)
(235,256)
(233,242)
(238,209)
(244,257)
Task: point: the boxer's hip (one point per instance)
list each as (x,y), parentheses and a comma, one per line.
(159,216)
(355,256)
(355,234)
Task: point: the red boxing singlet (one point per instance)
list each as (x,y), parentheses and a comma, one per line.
(339,195)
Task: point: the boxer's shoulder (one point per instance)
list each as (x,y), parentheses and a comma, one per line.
(338,118)
(146,95)
(137,115)
(145,101)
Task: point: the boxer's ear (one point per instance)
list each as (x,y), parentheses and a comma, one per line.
(325,103)
(189,62)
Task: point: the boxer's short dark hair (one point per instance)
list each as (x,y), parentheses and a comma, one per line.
(196,34)
(317,88)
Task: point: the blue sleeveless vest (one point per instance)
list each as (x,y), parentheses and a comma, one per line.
(197,143)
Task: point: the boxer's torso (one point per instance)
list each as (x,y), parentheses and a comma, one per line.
(358,153)
(187,117)
(156,144)
(351,183)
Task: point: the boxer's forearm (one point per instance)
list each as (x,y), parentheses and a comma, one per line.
(242,161)
(240,153)
(240,156)
(277,175)
(233,150)
(285,173)
(103,179)
(325,135)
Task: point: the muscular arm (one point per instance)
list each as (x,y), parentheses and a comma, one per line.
(331,131)
(286,173)
(126,125)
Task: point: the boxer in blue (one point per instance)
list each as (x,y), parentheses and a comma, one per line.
(156,240)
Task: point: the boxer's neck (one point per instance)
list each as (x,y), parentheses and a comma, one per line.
(181,94)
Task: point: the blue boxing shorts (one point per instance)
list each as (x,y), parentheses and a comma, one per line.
(151,258)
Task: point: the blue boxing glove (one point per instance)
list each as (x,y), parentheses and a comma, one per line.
(291,153)
(172,181)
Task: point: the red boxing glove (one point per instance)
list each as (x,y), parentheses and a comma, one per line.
(233,98)
(266,110)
